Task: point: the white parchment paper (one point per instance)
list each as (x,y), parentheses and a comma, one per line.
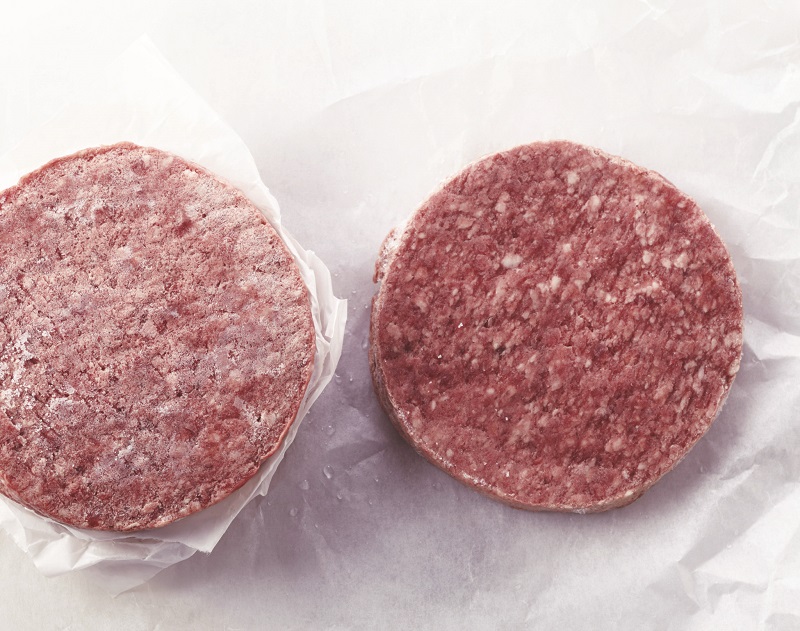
(140,98)
(355,111)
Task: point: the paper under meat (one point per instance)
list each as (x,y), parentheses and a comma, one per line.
(142,100)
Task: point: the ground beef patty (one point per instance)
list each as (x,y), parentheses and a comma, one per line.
(556,327)
(156,339)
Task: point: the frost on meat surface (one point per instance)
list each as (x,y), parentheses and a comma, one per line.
(155,339)
(556,327)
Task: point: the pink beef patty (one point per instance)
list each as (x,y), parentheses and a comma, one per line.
(156,339)
(556,327)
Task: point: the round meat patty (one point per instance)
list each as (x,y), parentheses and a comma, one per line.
(556,327)
(156,339)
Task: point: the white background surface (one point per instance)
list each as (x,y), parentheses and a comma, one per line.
(354,112)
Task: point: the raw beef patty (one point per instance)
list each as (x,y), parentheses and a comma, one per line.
(156,339)
(555,327)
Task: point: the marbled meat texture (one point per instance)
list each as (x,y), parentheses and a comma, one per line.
(156,339)
(556,327)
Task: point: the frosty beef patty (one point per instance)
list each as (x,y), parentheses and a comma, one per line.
(156,339)
(555,327)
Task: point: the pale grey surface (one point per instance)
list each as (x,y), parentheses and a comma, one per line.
(354,114)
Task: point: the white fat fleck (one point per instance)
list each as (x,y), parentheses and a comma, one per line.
(490,391)
(501,203)
(614,444)
(460,325)
(125,450)
(510,261)
(572,178)
(146,159)
(629,492)
(734,338)
(421,304)
(666,263)
(56,402)
(555,281)
(22,340)
(464,222)
(123,253)
(188,173)
(681,261)
(593,203)
(449,453)
(566,248)
(647,256)
(663,391)
(588,363)
(6,396)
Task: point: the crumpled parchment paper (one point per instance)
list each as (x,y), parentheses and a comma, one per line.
(140,98)
(355,112)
